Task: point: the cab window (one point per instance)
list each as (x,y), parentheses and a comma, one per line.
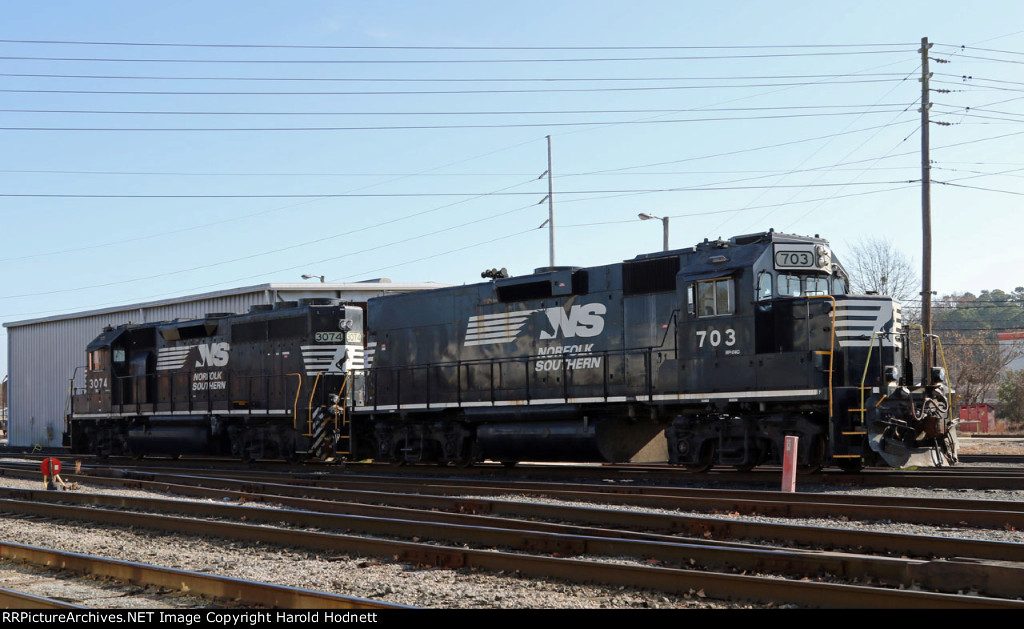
(764,286)
(816,286)
(789,286)
(802,285)
(714,298)
(96,361)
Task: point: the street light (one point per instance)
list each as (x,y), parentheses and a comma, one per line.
(664,224)
(309,277)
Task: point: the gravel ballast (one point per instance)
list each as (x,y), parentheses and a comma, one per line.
(405,584)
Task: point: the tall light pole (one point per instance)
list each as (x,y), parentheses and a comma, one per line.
(664,224)
(309,277)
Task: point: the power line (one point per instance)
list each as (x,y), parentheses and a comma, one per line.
(437,113)
(490,79)
(393,179)
(450,61)
(335,47)
(282,249)
(441,127)
(656,88)
(959,185)
(421,194)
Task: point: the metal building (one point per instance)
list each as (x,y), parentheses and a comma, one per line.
(43,354)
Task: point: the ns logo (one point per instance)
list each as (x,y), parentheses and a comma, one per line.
(213,355)
(584,320)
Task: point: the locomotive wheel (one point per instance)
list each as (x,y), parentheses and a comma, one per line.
(746,467)
(697,468)
(815,455)
(707,459)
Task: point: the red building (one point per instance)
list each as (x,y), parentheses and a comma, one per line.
(977,417)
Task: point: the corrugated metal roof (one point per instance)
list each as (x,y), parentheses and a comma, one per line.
(382,287)
(45,354)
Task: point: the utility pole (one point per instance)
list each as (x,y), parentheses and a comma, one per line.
(551,207)
(926,221)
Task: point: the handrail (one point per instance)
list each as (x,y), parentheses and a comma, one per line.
(295,404)
(200,401)
(942,354)
(949,376)
(309,410)
(69,403)
(397,375)
(343,406)
(867,364)
(831,349)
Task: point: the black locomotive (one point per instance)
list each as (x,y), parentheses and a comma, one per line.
(704,356)
(266,384)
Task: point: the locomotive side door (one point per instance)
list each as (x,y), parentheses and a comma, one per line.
(97,381)
(716,341)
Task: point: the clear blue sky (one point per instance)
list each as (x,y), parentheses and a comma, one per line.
(405,139)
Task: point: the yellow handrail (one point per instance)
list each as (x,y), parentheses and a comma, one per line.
(863,379)
(309,417)
(942,354)
(295,404)
(949,376)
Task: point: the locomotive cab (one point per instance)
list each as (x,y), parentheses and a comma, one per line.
(749,348)
(778,347)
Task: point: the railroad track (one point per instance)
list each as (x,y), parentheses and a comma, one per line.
(957,477)
(43,578)
(707,561)
(438,494)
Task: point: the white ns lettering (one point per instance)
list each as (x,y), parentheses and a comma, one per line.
(582,320)
(213,355)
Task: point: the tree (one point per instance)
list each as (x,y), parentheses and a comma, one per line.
(875,265)
(968,327)
(1011,397)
